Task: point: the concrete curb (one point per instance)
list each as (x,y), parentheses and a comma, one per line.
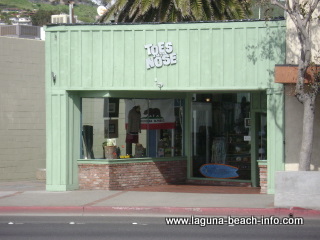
(205,211)
(41,210)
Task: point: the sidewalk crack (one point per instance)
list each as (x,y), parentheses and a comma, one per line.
(104,199)
(10,195)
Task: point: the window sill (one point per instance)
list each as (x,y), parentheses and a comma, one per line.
(129,160)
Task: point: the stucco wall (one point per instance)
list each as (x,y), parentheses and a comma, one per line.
(293,49)
(22,108)
(293,132)
(294,110)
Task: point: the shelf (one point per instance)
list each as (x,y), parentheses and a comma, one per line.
(239,162)
(238,154)
(244,165)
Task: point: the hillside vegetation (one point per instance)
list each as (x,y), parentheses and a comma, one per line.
(84,9)
(87,11)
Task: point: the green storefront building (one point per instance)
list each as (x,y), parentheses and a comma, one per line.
(145,104)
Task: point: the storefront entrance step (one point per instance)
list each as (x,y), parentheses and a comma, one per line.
(186,188)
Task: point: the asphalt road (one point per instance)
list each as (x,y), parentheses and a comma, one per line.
(128,227)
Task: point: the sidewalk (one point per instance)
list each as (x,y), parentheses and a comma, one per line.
(30,197)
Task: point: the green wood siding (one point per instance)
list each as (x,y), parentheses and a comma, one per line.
(275,132)
(222,56)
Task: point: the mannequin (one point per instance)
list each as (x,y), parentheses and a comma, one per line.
(134,128)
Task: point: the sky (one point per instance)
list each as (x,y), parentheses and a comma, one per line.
(98,2)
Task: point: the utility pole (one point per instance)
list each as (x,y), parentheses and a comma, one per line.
(71,13)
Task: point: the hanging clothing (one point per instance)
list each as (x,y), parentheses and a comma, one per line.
(218,151)
(134,120)
(132,137)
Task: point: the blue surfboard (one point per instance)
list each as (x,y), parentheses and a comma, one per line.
(213,170)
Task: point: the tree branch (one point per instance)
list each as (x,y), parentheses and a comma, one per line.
(274,2)
(315,4)
(312,9)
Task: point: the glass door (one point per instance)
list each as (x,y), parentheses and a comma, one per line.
(221,132)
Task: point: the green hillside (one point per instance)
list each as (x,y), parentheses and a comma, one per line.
(85,10)
(22,4)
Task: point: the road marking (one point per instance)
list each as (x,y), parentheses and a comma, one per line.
(142,224)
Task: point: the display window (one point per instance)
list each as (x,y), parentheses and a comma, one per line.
(115,128)
(221,137)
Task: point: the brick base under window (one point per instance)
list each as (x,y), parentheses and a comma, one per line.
(131,175)
(263,173)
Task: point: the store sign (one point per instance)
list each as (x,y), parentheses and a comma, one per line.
(160,54)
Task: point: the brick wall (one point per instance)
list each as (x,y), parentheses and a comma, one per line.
(263,173)
(131,175)
(22,108)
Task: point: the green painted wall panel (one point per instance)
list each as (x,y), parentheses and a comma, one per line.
(118,59)
(217,57)
(160,73)
(97,58)
(64,58)
(63,126)
(75,58)
(183,62)
(239,67)
(194,59)
(262,75)
(107,50)
(86,58)
(49,139)
(172,71)
(138,66)
(128,60)
(205,58)
(74,110)
(275,133)
(114,56)
(229,58)
(53,60)
(148,75)
(252,56)
(56,149)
